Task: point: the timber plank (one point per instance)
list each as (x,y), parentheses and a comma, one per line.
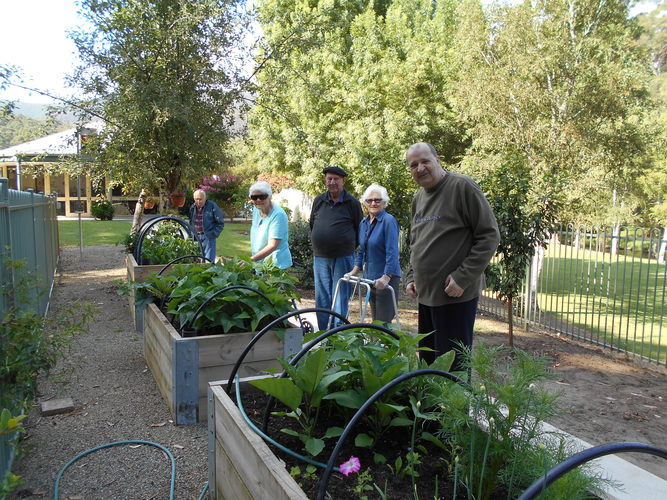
(262,473)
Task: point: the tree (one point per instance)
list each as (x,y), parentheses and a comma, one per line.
(561,87)
(354,84)
(163,74)
(523,223)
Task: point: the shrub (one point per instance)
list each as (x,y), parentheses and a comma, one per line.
(302,251)
(102,209)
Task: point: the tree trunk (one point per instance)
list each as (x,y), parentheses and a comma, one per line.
(616,233)
(510,322)
(663,246)
(138,213)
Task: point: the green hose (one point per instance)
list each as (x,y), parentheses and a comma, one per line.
(109,445)
(267,438)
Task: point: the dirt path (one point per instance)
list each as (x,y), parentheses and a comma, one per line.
(606,398)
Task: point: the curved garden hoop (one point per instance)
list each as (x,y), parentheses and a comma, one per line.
(313,343)
(151,222)
(324,480)
(187,324)
(183,258)
(264,330)
(585,456)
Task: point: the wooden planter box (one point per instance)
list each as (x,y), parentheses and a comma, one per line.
(240,464)
(138,273)
(183,367)
(242,467)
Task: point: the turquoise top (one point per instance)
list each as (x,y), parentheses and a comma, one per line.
(274,226)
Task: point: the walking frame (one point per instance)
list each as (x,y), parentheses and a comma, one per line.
(363,303)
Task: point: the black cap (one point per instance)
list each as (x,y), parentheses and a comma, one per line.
(335,170)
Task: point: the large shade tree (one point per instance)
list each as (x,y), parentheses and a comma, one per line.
(560,86)
(354,84)
(163,74)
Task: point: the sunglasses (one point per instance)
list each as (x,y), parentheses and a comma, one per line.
(255,197)
(370,201)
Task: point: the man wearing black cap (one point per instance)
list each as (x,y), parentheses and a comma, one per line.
(334,225)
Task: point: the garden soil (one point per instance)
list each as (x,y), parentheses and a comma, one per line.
(605,398)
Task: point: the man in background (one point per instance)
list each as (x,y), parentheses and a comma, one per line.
(207,222)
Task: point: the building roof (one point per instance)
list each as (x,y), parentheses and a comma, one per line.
(54,145)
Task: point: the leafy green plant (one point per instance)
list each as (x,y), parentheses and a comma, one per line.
(31,343)
(181,293)
(163,243)
(102,209)
(495,431)
(343,373)
(129,242)
(490,432)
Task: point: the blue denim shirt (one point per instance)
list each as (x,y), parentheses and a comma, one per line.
(213,220)
(378,246)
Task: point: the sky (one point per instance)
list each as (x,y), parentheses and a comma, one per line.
(35,40)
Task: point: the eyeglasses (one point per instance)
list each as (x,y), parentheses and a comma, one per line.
(255,197)
(370,201)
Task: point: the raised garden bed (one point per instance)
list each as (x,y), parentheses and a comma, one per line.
(137,273)
(183,367)
(241,465)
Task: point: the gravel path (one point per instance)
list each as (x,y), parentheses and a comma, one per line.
(115,399)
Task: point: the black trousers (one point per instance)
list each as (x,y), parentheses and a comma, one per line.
(450,324)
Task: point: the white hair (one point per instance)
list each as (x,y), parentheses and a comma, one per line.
(200,191)
(376,188)
(261,186)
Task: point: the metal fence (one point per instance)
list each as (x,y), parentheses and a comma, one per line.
(28,233)
(603,285)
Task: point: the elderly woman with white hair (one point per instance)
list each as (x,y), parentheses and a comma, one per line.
(377,254)
(269,230)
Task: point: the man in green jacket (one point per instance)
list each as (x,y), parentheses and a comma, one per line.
(453,236)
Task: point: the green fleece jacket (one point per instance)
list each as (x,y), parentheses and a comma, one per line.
(453,232)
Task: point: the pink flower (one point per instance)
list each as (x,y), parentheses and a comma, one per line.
(352,465)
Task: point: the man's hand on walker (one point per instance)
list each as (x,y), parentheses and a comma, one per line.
(451,288)
(411,289)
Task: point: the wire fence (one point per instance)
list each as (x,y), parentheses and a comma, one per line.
(603,285)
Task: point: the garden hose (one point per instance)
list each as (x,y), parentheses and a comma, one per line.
(117,443)
(267,438)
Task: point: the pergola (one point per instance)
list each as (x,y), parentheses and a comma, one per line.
(74,194)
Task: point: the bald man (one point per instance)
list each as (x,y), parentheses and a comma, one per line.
(453,236)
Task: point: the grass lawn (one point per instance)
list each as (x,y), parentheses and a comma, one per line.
(619,299)
(234,240)
(95,232)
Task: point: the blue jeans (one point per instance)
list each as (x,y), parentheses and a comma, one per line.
(209,246)
(328,271)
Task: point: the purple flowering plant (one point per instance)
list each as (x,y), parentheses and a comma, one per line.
(227,190)
(351,466)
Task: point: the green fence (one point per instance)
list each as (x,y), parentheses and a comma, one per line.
(602,285)
(28,233)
